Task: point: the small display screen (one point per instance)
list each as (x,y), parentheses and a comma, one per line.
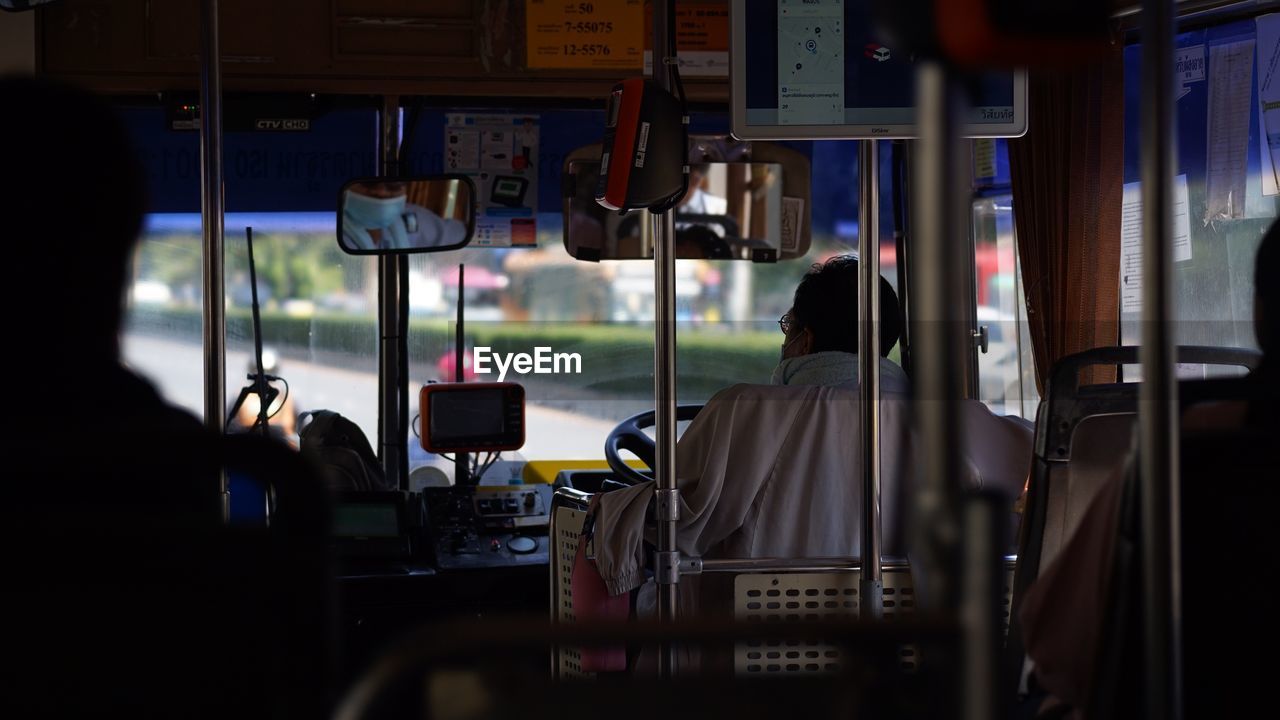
(508,187)
(366,520)
(467,415)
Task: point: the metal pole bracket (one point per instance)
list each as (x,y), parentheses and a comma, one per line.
(667,505)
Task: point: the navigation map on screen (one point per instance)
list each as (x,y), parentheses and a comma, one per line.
(823,64)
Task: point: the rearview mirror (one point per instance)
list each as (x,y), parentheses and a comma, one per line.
(393,216)
(753,207)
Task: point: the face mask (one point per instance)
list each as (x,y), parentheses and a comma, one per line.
(373,213)
(782,372)
(782,353)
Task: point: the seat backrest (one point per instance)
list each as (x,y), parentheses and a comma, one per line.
(1098,443)
(1228,497)
(1084,434)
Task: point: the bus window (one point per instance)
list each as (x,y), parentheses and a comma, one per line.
(595,319)
(1006,370)
(1224,195)
(318,305)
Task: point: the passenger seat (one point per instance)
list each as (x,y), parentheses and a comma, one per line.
(1083,437)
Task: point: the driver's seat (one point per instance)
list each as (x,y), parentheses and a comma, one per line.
(763,471)
(773,472)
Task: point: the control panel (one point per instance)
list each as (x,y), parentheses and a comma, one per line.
(488,526)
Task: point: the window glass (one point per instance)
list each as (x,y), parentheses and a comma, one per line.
(518,300)
(1006,371)
(1224,192)
(161,337)
(318,306)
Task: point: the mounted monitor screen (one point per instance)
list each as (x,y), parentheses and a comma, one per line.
(818,69)
(471,417)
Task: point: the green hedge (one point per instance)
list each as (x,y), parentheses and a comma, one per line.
(616,359)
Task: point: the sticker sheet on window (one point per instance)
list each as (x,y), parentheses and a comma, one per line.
(498,153)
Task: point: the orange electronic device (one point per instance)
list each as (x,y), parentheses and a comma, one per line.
(471,417)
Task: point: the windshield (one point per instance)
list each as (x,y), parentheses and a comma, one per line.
(591,321)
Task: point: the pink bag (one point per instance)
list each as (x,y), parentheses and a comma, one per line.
(592,602)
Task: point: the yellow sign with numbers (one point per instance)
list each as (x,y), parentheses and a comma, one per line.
(585,34)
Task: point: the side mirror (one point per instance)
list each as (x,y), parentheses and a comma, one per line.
(751,205)
(397,216)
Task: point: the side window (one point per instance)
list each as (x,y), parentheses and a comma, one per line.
(1225,192)
(1006,370)
(318,306)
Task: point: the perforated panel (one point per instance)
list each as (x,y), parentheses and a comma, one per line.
(782,597)
(791,597)
(761,597)
(566,523)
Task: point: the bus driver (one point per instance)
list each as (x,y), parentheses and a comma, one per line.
(379,215)
(773,470)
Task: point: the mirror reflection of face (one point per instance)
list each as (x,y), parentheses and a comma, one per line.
(397,215)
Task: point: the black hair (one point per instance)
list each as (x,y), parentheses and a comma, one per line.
(72,195)
(1266,279)
(826,303)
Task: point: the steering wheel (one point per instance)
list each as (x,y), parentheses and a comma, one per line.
(630,435)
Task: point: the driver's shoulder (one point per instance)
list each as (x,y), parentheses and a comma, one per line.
(750,392)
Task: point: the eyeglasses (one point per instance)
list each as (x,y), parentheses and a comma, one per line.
(784,322)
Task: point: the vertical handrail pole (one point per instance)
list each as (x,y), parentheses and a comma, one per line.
(957,558)
(392,387)
(664,372)
(212,231)
(939,335)
(871,584)
(1158,393)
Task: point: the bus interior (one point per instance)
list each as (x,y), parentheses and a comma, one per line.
(502,282)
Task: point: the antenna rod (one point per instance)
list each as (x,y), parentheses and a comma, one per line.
(462,475)
(260,381)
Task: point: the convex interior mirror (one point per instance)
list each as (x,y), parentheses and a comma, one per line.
(746,201)
(388,216)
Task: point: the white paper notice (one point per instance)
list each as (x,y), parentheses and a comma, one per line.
(1188,67)
(498,153)
(792,217)
(1230,90)
(1131,240)
(1269,101)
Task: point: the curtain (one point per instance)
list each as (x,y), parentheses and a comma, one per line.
(1067,178)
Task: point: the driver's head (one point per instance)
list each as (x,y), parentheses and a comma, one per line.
(72,199)
(824,313)
(697,173)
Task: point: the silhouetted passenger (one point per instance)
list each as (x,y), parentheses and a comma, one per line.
(124,594)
